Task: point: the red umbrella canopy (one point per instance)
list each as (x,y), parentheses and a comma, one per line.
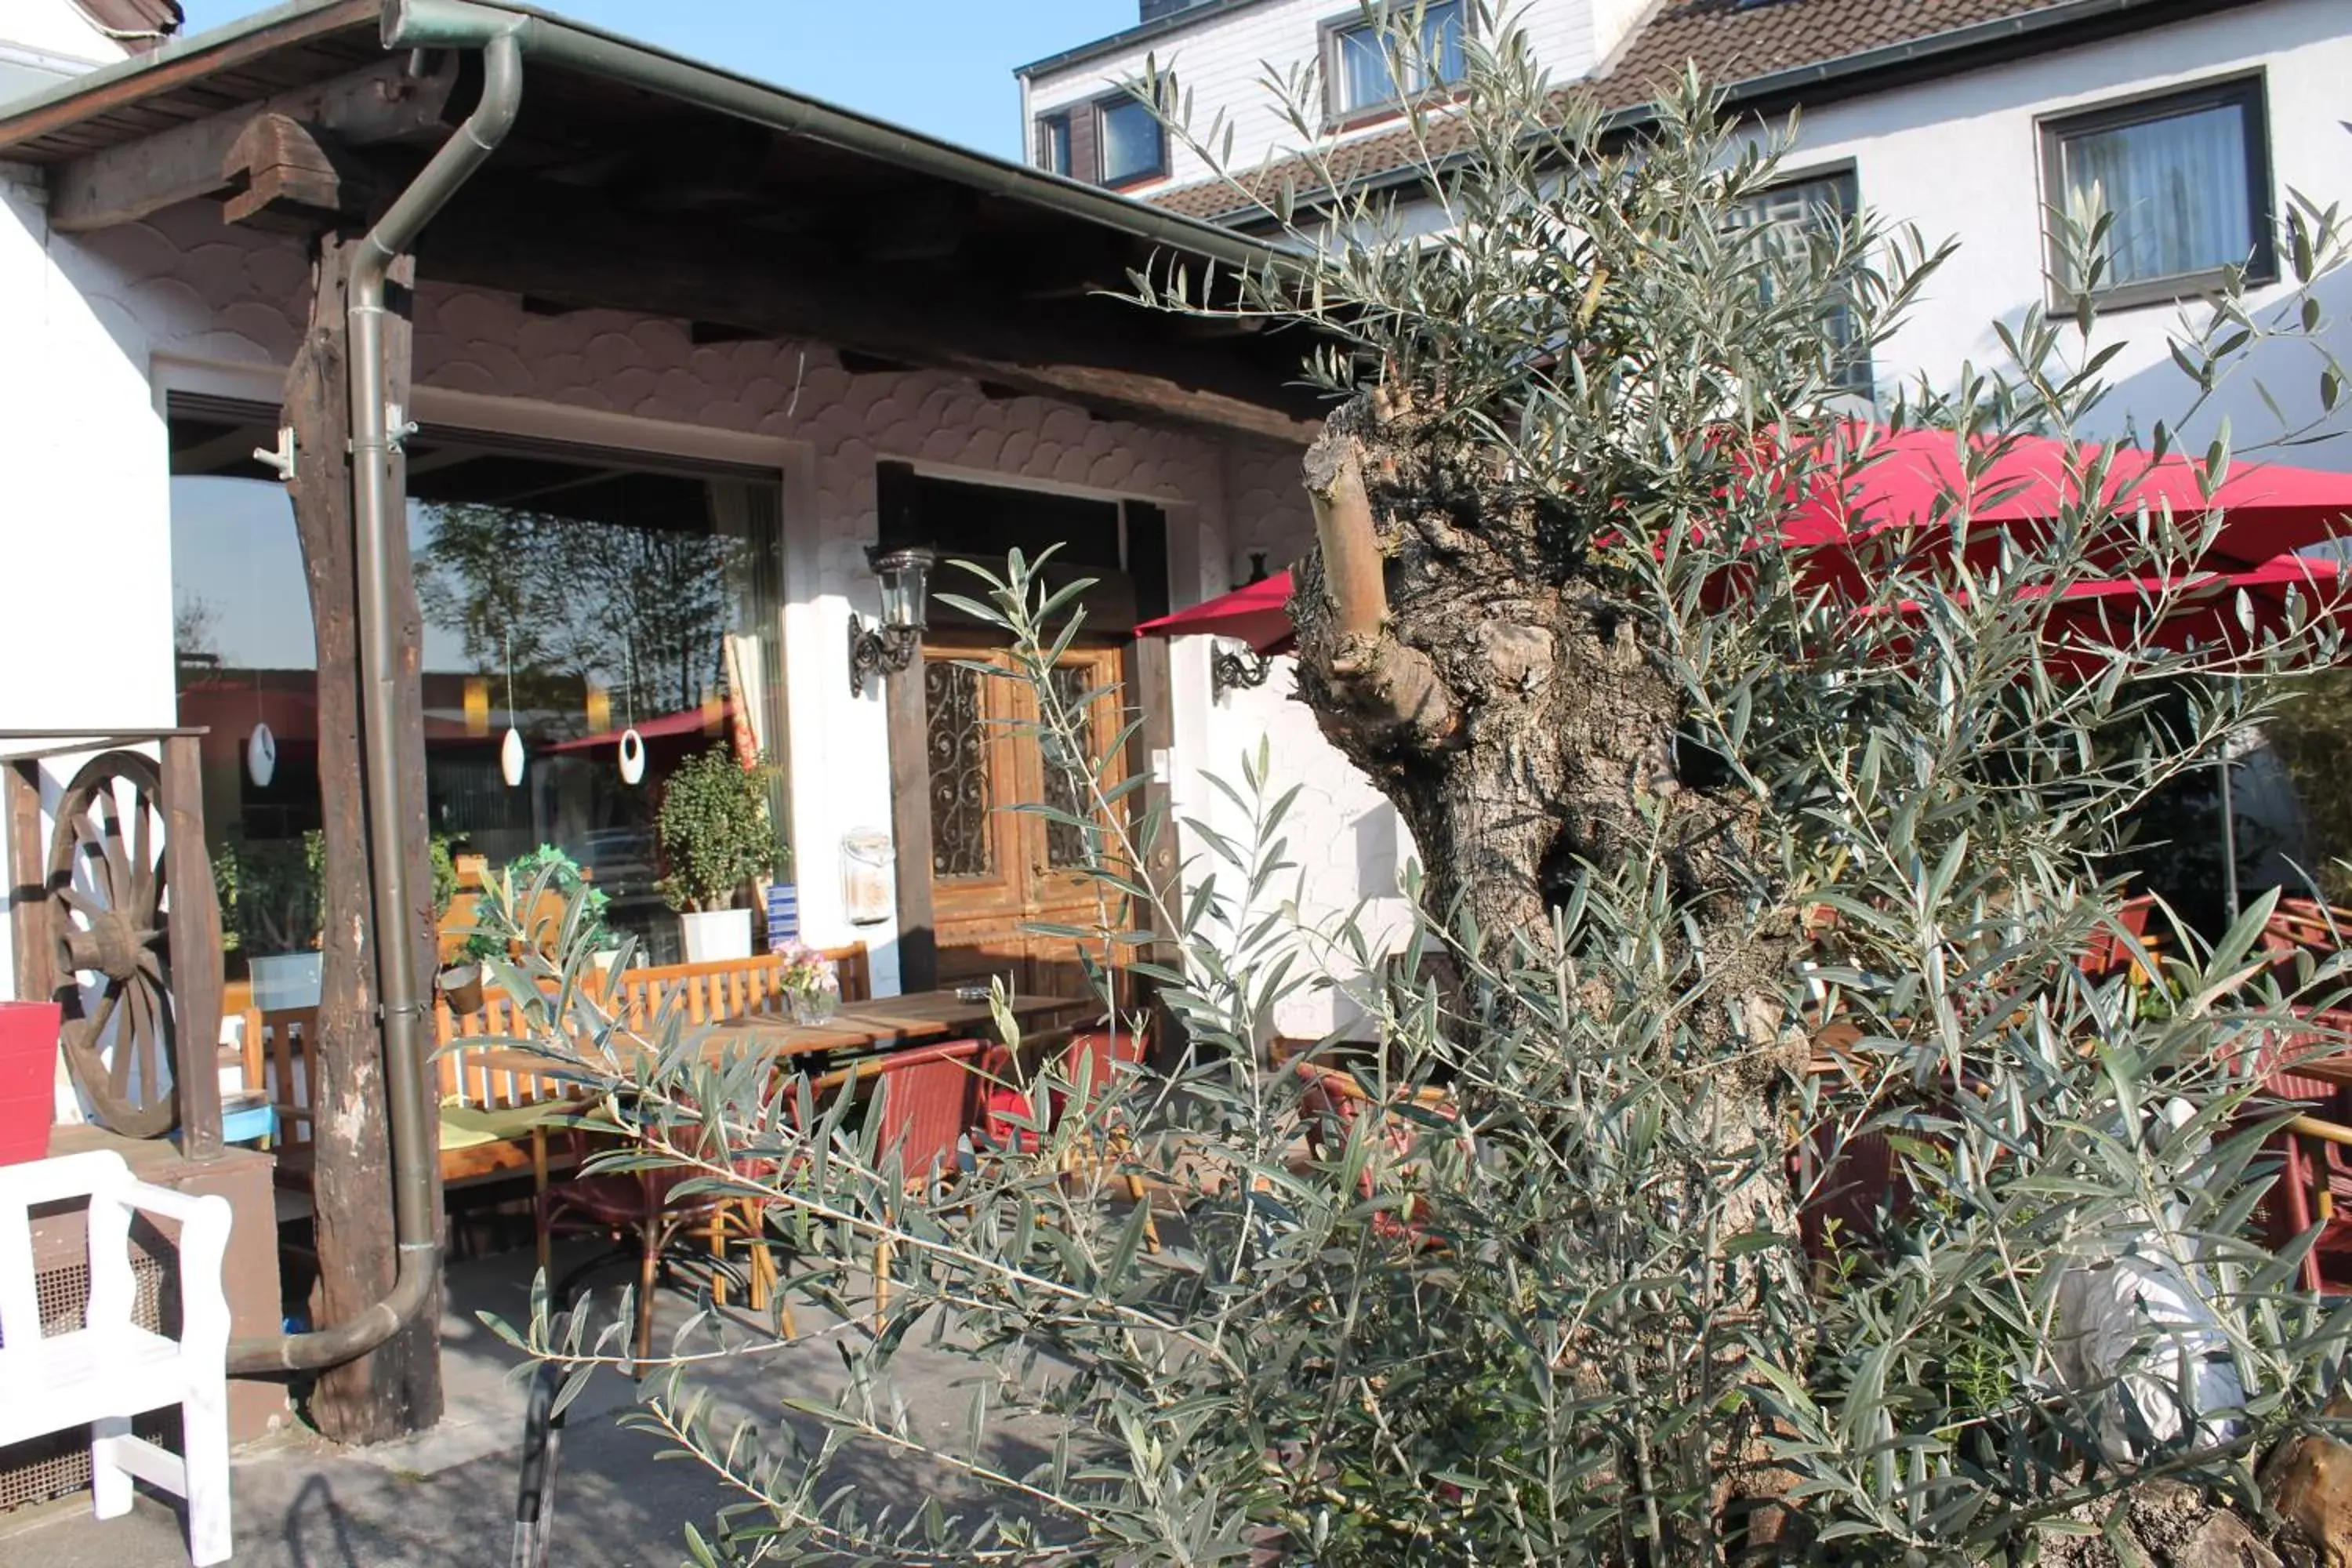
(1909,480)
(2221,610)
(1259,614)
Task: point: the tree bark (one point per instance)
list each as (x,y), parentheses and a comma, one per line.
(398,1389)
(1455,645)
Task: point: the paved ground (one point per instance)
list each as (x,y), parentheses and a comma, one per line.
(448,1497)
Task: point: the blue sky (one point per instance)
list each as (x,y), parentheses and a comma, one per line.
(941,65)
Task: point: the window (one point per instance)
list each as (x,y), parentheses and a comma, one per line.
(569,592)
(2186,178)
(1112,141)
(1365,67)
(1054,143)
(1786,219)
(1134,146)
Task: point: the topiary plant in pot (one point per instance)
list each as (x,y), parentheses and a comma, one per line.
(271,895)
(716,842)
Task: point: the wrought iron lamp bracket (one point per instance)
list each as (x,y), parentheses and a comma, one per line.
(874,650)
(1234,671)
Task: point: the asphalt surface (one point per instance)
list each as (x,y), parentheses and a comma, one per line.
(448,1496)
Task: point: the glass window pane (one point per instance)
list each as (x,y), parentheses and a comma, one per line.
(1067,844)
(2176,186)
(1130,140)
(1054,150)
(569,597)
(1361,71)
(955,720)
(1441,42)
(1784,222)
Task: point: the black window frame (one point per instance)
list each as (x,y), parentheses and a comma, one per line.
(1101,108)
(1333,30)
(1845,179)
(2247,92)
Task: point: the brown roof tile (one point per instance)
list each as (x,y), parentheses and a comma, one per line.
(1730,41)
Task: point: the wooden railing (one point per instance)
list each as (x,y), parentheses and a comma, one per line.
(281,1064)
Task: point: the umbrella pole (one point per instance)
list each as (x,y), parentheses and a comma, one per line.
(2229,837)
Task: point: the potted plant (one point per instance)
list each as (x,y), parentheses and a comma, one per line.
(461,983)
(565,878)
(272,893)
(715,840)
(812,984)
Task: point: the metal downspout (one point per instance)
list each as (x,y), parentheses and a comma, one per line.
(376,507)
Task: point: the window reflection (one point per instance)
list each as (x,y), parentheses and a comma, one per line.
(571,594)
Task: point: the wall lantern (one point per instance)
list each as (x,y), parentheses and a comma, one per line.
(906,585)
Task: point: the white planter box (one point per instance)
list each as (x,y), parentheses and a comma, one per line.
(713,935)
(283,980)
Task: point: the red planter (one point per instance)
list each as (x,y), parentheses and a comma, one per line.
(28,1068)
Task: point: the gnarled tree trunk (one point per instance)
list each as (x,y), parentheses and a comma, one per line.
(1455,647)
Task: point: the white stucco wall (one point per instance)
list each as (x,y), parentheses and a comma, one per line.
(1223,60)
(181,303)
(55,27)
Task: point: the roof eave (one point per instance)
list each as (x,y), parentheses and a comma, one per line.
(597,52)
(223,38)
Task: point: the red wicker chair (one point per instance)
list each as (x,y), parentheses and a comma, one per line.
(925,1099)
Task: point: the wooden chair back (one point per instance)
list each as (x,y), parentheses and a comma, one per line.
(281,1064)
(725,988)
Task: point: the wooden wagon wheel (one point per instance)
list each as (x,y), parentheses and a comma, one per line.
(106,898)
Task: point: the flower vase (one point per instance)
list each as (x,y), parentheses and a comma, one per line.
(814,1006)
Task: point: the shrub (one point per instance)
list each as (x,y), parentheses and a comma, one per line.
(714,831)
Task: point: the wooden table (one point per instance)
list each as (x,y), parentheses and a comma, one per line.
(858,1029)
(885,1022)
(2335,1069)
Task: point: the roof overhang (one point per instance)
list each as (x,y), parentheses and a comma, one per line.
(638,179)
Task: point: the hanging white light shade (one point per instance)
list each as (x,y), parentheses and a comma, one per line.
(510,756)
(632,755)
(261,756)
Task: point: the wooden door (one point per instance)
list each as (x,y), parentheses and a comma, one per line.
(997,869)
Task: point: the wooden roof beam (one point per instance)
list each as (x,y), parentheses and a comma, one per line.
(520,244)
(365,107)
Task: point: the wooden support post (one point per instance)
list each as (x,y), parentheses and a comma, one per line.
(28,885)
(1145,672)
(396,1389)
(910,826)
(194,935)
(898,522)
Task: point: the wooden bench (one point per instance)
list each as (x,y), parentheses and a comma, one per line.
(488,1111)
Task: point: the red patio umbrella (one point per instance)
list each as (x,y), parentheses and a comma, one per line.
(2269,512)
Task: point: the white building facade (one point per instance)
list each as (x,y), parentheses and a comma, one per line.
(2202,123)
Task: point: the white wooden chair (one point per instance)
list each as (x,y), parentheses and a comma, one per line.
(109,1370)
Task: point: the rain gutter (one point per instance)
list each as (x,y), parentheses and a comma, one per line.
(377,515)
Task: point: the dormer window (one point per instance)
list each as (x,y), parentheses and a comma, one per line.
(1134,143)
(1054,143)
(1115,140)
(1368,67)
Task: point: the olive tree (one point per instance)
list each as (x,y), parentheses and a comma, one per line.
(1535,1283)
